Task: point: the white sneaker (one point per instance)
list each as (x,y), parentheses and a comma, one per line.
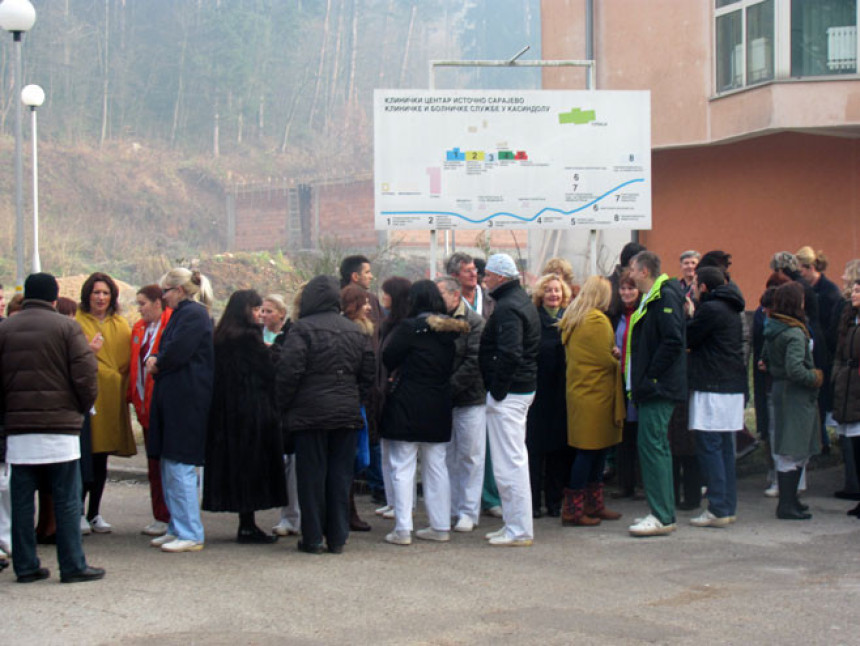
(384,510)
(389,515)
(162,540)
(100,526)
(495,512)
(285,528)
(396,538)
(85,526)
(507,541)
(155,528)
(707,519)
(464,524)
(772,491)
(650,526)
(182,545)
(430,534)
(491,535)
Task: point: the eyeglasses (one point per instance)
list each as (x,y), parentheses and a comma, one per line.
(164,291)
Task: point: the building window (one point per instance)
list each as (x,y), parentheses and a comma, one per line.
(823,37)
(744,43)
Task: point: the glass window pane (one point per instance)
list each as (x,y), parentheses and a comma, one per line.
(760,42)
(723,3)
(730,52)
(823,37)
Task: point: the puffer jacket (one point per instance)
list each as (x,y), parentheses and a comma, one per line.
(846,369)
(510,343)
(326,368)
(466,383)
(715,339)
(47,371)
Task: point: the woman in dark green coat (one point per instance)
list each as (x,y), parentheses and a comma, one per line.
(787,356)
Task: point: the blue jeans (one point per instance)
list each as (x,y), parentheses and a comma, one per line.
(65,479)
(373,473)
(179,481)
(587,468)
(717,459)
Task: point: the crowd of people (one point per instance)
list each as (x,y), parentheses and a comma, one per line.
(517,401)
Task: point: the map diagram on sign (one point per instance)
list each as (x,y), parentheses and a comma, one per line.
(503,159)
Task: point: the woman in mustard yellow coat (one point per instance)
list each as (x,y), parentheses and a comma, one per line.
(595,400)
(109,335)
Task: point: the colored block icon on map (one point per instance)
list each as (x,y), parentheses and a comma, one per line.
(521,155)
(455,155)
(506,154)
(577,116)
(475,155)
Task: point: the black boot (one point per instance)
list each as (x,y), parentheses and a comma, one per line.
(787,508)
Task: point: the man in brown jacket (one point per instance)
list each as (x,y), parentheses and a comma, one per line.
(48,382)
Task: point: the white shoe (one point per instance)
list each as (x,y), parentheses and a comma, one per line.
(507,541)
(285,528)
(384,510)
(495,512)
(464,524)
(85,526)
(650,526)
(162,540)
(707,519)
(491,535)
(772,491)
(155,528)
(182,545)
(389,515)
(100,526)
(430,534)
(396,538)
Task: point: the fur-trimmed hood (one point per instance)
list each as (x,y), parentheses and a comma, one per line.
(439,323)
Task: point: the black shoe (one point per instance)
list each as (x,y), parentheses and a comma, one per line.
(310,549)
(335,549)
(789,506)
(254,536)
(38,575)
(89,574)
(846,495)
(854,512)
(378,496)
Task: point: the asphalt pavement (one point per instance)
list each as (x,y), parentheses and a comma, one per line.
(758,581)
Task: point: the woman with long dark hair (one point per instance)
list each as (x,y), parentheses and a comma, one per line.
(244,463)
(625,453)
(395,301)
(417,415)
(787,356)
(109,431)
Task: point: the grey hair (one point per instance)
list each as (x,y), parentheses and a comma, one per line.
(449,283)
(691,253)
(456,260)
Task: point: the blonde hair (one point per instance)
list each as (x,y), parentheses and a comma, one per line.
(278,302)
(852,270)
(297,300)
(541,285)
(193,283)
(595,294)
(561,268)
(811,258)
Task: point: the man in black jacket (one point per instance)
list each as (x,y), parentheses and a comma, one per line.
(718,385)
(508,359)
(465,456)
(48,377)
(656,375)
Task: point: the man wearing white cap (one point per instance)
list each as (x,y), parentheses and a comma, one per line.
(508,358)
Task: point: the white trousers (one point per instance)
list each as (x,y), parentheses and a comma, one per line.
(5,510)
(506,430)
(465,458)
(402,458)
(291,513)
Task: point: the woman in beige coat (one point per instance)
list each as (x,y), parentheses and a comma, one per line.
(595,400)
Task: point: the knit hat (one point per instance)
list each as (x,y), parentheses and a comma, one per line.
(783,260)
(41,287)
(503,265)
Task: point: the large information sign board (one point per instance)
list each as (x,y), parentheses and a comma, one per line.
(545,159)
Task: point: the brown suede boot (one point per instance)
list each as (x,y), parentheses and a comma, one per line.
(573,510)
(355,523)
(594,503)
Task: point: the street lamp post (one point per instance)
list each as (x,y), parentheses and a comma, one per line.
(33,96)
(16,17)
